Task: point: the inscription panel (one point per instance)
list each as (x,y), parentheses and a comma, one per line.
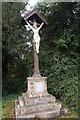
(39,87)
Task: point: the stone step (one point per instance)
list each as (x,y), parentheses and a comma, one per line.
(46,114)
(40,107)
(21,101)
(33,101)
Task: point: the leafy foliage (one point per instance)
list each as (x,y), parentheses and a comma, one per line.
(14,46)
(61,56)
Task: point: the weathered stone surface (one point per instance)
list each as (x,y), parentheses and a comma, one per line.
(34,83)
(45,114)
(21,101)
(41,102)
(17,108)
(40,107)
(30,101)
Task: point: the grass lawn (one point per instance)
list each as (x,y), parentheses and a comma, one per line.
(8,108)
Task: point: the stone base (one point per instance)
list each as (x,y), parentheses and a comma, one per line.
(37,101)
(37,87)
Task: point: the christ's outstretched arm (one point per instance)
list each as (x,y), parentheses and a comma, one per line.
(40,26)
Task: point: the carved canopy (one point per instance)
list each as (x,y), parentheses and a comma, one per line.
(34,15)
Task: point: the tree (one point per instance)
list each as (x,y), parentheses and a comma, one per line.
(60,47)
(13,46)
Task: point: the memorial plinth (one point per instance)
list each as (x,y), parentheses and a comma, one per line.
(37,86)
(37,101)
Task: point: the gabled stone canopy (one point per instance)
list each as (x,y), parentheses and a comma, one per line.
(34,14)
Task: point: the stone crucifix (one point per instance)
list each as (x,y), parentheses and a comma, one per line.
(36,41)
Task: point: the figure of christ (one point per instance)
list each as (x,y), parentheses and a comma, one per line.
(36,36)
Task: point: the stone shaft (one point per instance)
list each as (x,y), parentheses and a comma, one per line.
(36,61)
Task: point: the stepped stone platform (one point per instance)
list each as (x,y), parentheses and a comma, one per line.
(37,101)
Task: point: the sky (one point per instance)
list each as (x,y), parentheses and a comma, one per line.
(31,3)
